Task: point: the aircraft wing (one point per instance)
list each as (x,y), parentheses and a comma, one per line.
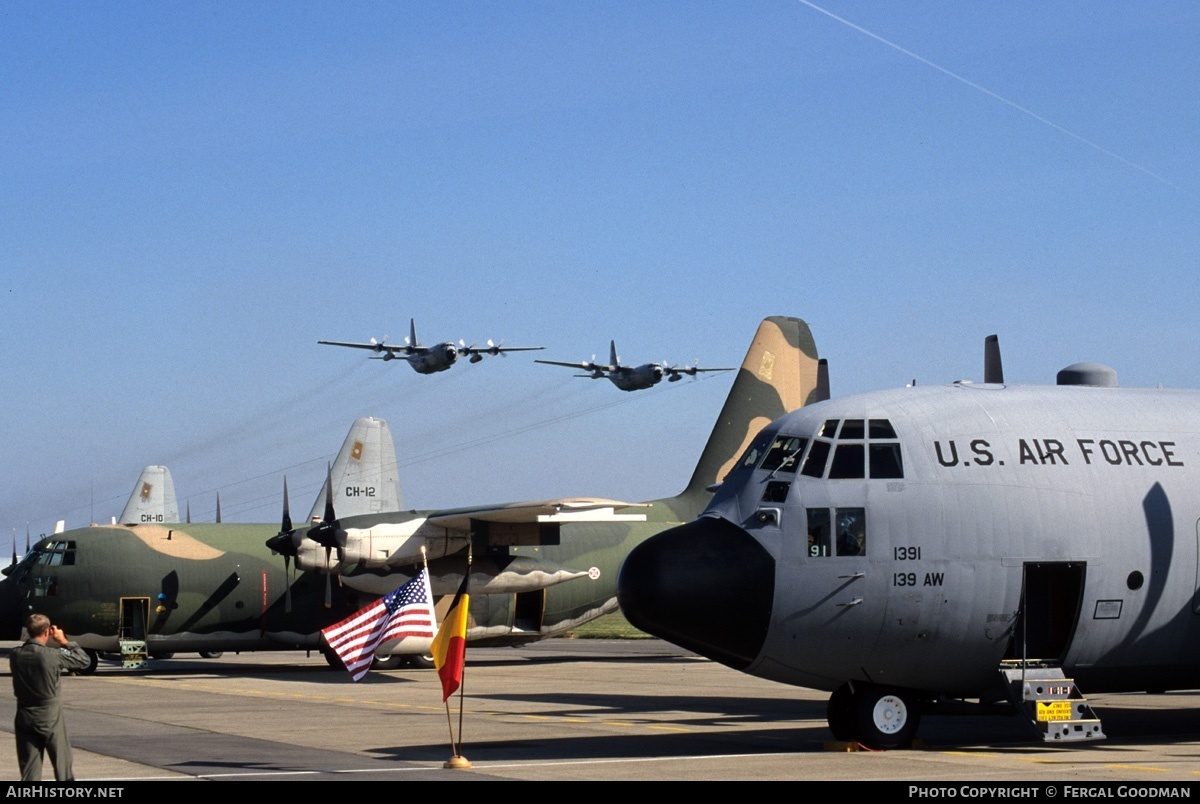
(567,509)
(495,350)
(581,366)
(692,371)
(378,347)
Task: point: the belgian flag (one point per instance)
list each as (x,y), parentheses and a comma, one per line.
(450,644)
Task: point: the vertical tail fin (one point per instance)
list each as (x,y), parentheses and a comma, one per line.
(779,375)
(153,498)
(364,476)
(613,360)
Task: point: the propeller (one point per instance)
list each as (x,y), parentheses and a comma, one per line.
(329,534)
(377,345)
(287,543)
(475,354)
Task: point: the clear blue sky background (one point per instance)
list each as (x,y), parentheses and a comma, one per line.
(193,194)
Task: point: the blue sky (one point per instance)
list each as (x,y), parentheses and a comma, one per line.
(194,194)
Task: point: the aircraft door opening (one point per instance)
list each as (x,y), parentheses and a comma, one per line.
(135,613)
(528,609)
(1051,596)
(131,632)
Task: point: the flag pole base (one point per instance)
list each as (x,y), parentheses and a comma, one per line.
(457,762)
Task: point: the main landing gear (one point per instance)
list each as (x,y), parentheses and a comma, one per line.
(878,717)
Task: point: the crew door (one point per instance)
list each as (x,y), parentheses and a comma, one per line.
(1051,597)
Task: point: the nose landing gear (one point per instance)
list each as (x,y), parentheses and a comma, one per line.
(877,717)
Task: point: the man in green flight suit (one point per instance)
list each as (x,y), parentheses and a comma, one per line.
(37,667)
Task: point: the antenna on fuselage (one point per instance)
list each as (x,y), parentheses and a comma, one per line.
(993,368)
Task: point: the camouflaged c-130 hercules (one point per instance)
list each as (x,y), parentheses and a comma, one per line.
(538,568)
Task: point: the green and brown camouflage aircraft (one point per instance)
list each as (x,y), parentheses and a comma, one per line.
(538,569)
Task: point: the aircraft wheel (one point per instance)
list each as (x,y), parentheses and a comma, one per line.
(211,654)
(886,718)
(332,659)
(166,654)
(393,662)
(840,714)
(421,661)
(93,660)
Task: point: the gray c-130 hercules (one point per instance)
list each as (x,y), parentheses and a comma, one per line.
(431,359)
(916,549)
(630,378)
(539,568)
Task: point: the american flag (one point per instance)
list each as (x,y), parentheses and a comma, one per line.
(402,613)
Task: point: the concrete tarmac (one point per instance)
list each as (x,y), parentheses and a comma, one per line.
(564,710)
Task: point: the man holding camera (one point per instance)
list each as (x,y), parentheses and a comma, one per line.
(37,667)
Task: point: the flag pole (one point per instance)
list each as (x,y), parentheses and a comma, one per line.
(463,683)
(458,761)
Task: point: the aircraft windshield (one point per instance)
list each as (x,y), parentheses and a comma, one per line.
(854,449)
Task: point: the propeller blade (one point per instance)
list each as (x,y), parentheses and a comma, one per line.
(328,582)
(330,516)
(287,584)
(287,543)
(287,519)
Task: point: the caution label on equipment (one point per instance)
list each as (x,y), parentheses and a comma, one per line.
(1053,710)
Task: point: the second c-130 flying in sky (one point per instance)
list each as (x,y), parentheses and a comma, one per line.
(539,568)
(630,378)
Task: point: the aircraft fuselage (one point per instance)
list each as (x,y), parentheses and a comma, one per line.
(636,378)
(916,538)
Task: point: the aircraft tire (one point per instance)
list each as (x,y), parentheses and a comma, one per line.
(93,661)
(840,714)
(886,718)
(332,659)
(393,662)
(211,654)
(421,661)
(166,654)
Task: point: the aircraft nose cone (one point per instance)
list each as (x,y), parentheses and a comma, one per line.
(706,586)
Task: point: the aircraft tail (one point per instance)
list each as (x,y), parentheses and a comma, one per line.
(153,499)
(778,375)
(364,476)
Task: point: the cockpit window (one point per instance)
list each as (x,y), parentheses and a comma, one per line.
(882,428)
(837,531)
(784,454)
(753,452)
(848,462)
(851,532)
(814,464)
(861,448)
(55,553)
(852,428)
(885,461)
